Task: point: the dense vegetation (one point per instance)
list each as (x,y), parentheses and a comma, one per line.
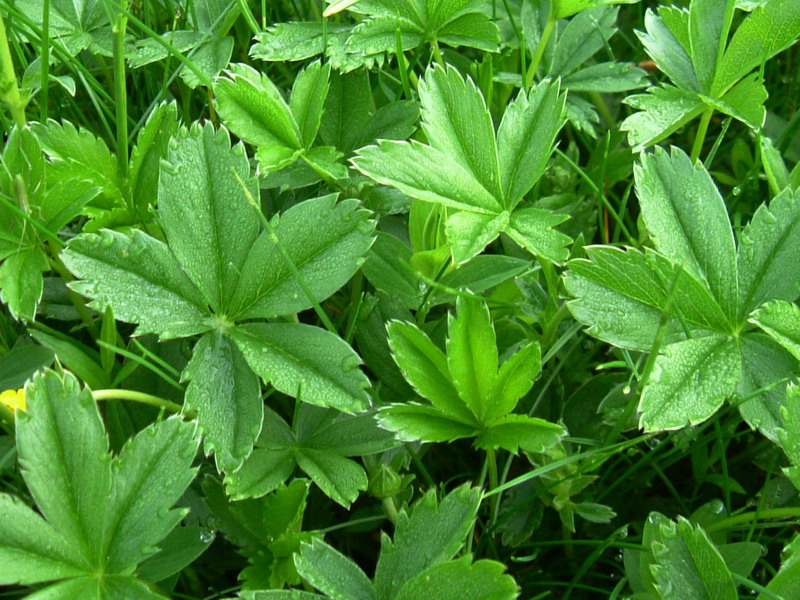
(400,299)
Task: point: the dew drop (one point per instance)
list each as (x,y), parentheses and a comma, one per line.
(736,191)
(207,536)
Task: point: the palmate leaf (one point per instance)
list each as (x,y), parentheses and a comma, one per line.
(102,515)
(319,443)
(567,8)
(789,434)
(467,166)
(469,396)
(710,304)
(179,289)
(691,48)
(416,564)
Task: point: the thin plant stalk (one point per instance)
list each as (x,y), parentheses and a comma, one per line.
(120,89)
(9,90)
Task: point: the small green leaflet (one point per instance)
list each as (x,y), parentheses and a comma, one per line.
(37,202)
(348,47)
(469,396)
(320,442)
(101,516)
(705,292)
(711,73)
(403,572)
(468,167)
(268,531)
(239,272)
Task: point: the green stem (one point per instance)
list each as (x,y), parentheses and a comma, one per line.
(120,90)
(9,91)
(540,47)
(491,459)
(44,67)
(437,53)
(140,397)
(390,508)
(773,513)
(700,136)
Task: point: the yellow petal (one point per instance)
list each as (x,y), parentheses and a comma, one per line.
(13,399)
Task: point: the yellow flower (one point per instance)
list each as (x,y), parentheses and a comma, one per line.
(13,399)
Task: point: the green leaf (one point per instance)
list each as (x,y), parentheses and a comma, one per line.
(31,551)
(607,78)
(93,588)
(781,320)
(668,53)
(418,422)
(150,475)
(81,360)
(297,40)
(472,354)
(662,111)
(325,240)
(280,595)
(430,535)
(769,249)
(309,92)
(512,432)
(785,583)
(340,478)
(689,382)
(514,380)
(252,107)
(706,25)
(789,434)
(768,30)
(67,465)
(567,8)
(388,268)
(766,367)
(21,362)
(536,115)
(177,551)
(578,41)
(202,196)
(77,153)
(688,221)
(687,566)
(262,472)
(356,435)
(469,233)
(121,271)
(425,173)
(21,282)
(460,580)
(533,229)
(622,295)
(745,101)
(226,395)
(152,145)
(347,109)
(305,362)
(424,366)
(457,123)
(333,573)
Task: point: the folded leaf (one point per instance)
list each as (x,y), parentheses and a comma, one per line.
(469,233)
(514,379)
(309,92)
(472,354)
(668,53)
(706,25)
(226,395)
